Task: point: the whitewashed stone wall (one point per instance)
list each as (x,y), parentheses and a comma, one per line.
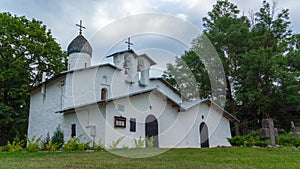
(42,116)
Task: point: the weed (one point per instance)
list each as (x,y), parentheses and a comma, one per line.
(139,143)
(115,144)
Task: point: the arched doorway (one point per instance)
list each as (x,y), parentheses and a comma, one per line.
(204,140)
(151,129)
(103,94)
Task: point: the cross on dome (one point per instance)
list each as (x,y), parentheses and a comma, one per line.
(80,27)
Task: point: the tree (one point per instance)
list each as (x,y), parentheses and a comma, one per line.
(260,56)
(265,76)
(189,75)
(229,34)
(27,49)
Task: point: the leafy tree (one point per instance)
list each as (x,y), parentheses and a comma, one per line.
(266,82)
(260,56)
(27,49)
(189,75)
(229,34)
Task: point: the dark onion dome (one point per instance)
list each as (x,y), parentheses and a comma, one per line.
(80,45)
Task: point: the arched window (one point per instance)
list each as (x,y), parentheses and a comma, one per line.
(103,94)
(104,79)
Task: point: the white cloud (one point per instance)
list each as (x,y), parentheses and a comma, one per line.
(61,16)
(182,16)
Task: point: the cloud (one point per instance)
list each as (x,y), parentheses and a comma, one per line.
(61,16)
(143,25)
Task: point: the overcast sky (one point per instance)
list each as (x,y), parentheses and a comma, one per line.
(103,19)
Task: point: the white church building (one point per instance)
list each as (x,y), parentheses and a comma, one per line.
(107,102)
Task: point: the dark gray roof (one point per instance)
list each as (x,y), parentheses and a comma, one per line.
(80,45)
(71,71)
(182,107)
(121,52)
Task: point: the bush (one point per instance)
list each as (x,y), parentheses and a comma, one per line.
(75,144)
(58,137)
(15,146)
(51,147)
(71,144)
(237,140)
(33,144)
(84,146)
(150,142)
(3,148)
(249,140)
(261,143)
(288,140)
(46,141)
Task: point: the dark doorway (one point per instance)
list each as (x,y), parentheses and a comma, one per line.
(103,94)
(151,129)
(204,141)
(73,130)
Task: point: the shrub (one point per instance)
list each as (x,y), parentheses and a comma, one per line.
(83,146)
(150,142)
(71,144)
(51,147)
(33,144)
(58,137)
(139,143)
(74,144)
(15,146)
(2,148)
(237,140)
(261,143)
(249,140)
(46,140)
(288,140)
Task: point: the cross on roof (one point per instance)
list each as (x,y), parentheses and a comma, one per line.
(129,43)
(80,27)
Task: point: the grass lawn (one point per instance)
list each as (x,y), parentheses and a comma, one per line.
(174,158)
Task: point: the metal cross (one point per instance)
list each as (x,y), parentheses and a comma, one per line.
(129,43)
(80,27)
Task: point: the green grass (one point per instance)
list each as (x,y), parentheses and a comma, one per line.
(175,158)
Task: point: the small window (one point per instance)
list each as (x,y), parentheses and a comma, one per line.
(132,124)
(103,94)
(120,122)
(104,79)
(73,130)
(85,65)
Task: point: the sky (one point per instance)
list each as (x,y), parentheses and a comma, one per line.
(163,29)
